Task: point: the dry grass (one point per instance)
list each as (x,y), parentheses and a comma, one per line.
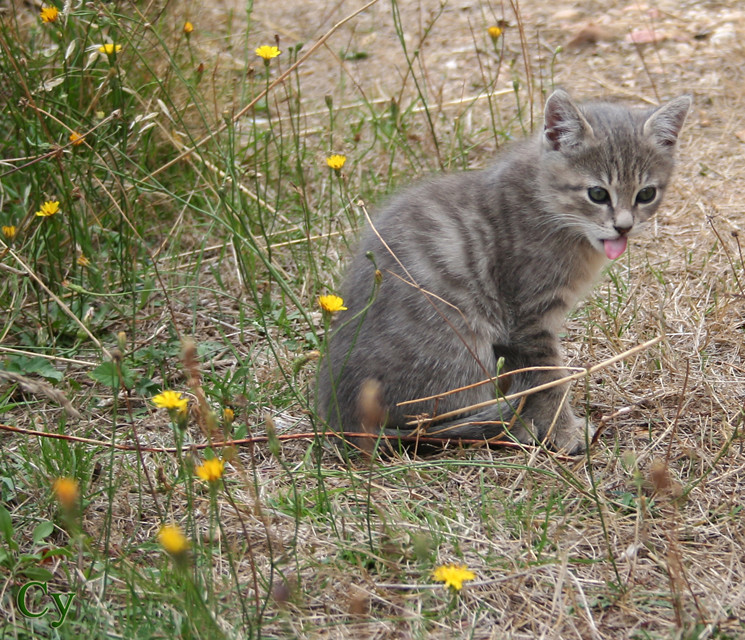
(644,538)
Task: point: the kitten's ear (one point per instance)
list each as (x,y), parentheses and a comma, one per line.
(564,125)
(664,125)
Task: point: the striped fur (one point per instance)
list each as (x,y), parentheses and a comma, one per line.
(493,261)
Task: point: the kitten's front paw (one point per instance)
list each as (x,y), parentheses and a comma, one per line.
(574,438)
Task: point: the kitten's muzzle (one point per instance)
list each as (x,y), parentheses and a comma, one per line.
(623,221)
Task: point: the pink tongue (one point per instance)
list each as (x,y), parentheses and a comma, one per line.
(614,248)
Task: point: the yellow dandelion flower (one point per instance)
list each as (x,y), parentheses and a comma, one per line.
(188,27)
(76,139)
(9,232)
(172,539)
(109,48)
(49,208)
(171,400)
(267,52)
(331,303)
(211,470)
(453,575)
(83,261)
(228,415)
(66,491)
(336,161)
(494,32)
(49,14)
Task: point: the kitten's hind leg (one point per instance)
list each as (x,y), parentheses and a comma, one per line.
(497,422)
(506,422)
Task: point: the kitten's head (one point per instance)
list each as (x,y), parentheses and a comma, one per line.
(605,168)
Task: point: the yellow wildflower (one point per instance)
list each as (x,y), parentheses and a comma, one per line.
(171,400)
(494,32)
(49,208)
(331,303)
(172,539)
(188,27)
(228,415)
(83,261)
(336,161)
(76,139)
(49,14)
(267,52)
(211,470)
(110,48)
(66,491)
(453,575)
(9,232)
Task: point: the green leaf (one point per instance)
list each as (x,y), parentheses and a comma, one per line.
(107,374)
(42,530)
(37,573)
(59,552)
(354,55)
(146,387)
(6,524)
(40,366)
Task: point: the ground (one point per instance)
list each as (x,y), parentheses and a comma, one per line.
(642,538)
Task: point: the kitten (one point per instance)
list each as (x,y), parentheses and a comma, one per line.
(485,265)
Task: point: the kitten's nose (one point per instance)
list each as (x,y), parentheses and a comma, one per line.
(622,230)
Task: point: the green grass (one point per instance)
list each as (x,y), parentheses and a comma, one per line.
(230,243)
(199,206)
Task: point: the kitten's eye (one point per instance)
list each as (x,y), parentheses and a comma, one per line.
(598,195)
(646,195)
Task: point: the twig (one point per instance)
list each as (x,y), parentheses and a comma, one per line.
(284,437)
(491,380)
(53,358)
(710,220)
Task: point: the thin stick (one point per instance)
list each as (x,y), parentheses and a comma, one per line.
(491,381)
(284,437)
(36,354)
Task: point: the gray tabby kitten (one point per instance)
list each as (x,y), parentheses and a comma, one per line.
(485,265)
